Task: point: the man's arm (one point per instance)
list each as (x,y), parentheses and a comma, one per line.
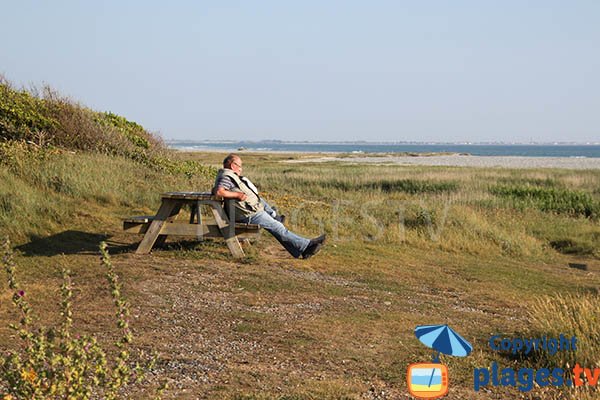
(223,187)
(228,194)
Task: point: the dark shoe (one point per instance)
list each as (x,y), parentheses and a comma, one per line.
(314,246)
(280,218)
(320,239)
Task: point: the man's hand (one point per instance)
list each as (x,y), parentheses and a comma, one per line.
(242,196)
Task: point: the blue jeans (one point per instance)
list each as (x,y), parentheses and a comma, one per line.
(293,243)
(268,208)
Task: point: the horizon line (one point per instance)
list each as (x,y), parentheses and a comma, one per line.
(367,142)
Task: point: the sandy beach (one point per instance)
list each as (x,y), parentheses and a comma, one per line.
(465,161)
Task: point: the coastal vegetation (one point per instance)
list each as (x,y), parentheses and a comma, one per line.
(55,153)
(489,251)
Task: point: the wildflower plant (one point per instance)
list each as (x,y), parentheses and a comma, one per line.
(54,363)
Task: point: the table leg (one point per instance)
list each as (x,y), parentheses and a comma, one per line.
(227,229)
(167,211)
(199,230)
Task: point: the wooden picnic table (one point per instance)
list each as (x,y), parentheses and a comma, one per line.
(158,227)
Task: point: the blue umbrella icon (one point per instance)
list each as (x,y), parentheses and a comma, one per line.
(443,339)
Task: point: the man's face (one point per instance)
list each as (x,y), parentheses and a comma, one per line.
(236,166)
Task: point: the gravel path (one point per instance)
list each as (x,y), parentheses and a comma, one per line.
(469,161)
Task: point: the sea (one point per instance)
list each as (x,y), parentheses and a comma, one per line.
(527,150)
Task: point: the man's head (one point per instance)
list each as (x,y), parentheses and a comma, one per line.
(234,163)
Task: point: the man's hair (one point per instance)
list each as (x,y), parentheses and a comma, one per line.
(229,159)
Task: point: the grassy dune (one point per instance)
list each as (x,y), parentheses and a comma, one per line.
(485,250)
(407,246)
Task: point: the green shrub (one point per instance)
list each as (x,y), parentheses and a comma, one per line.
(134,132)
(56,364)
(188,168)
(410,186)
(22,116)
(78,128)
(414,186)
(562,201)
(51,119)
(59,122)
(578,246)
(543,182)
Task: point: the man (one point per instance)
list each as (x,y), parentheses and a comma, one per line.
(242,198)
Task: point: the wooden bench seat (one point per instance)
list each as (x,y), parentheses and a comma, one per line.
(208,228)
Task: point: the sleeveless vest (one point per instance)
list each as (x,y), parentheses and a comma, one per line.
(245,208)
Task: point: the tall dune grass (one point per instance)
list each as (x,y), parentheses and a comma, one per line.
(40,193)
(570,314)
(452,209)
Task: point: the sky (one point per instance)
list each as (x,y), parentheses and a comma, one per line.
(510,71)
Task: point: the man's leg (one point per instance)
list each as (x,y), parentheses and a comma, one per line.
(272,211)
(293,243)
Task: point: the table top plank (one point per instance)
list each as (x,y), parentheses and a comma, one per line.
(192,196)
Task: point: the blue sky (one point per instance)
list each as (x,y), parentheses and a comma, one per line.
(320,70)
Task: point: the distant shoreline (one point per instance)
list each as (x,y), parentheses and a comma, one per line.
(368,149)
(456,160)
(431,159)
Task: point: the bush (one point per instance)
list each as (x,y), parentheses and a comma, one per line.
(543,182)
(80,128)
(414,186)
(561,201)
(410,186)
(22,115)
(135,133)
(578,246)
(53,120)
(54,363)
(34,124)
